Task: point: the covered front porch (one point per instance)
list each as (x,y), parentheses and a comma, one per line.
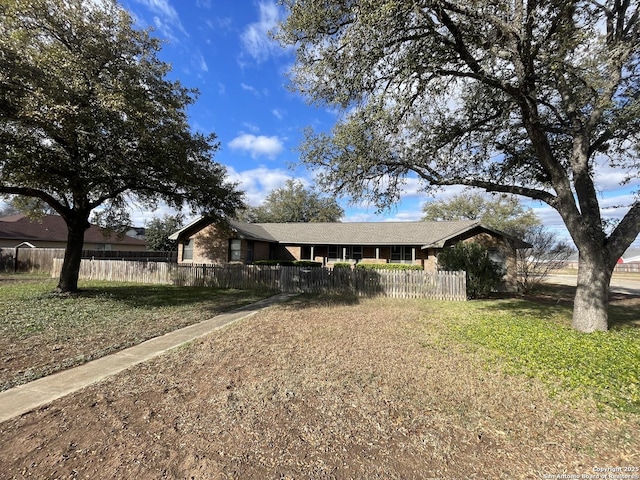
(330,254)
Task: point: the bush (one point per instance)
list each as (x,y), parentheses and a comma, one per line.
(283,263)
(307,263)
(388,266)
(483,275)
(289,263)
(342,265)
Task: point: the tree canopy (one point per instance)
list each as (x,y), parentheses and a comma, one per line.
(525,97)
(157,232)
(501,212)
(294,203)
(88,120)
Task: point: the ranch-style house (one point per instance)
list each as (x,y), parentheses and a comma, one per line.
(203,241)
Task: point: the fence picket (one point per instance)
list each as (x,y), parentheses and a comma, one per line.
(390,283)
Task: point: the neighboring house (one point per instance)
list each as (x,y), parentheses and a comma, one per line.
(373,242)
(51,232)
(137,232)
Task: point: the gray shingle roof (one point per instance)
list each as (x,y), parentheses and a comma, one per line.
(354,233)
(422,233)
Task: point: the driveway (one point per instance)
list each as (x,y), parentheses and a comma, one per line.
(620,285)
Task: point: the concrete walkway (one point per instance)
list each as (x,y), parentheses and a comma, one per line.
(24,398)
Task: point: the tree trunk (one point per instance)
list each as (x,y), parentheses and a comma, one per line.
(68,281)
(591,303)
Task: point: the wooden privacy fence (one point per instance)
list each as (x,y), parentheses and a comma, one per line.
(28,259)
(41,259)
(390,283)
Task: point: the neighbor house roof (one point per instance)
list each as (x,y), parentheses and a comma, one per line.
(52,228)
(426,234)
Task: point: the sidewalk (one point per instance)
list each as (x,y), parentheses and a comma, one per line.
(24,398)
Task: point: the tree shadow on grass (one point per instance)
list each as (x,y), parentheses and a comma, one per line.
(153,296)
(314,300)
(550,299)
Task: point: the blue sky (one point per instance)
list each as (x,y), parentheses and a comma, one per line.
(223,49)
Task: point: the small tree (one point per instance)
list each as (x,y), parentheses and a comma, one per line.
(157,232)
(483,275)
(295,204)
(534,264)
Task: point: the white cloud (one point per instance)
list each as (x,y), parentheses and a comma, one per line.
(164,28)
(249,88)
(161,7)
(279,114)
(251,127)
(255,38)
(220,24)
(202,64)
(257,145)
(259,182)
(608,178)
(165,18)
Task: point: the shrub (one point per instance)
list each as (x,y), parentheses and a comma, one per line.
(388,266)
(307,263)
(342,265)
(284,263)
(483,275)
(289,263)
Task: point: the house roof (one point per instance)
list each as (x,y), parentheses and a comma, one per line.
(52,228)
(358,233)
(424,233)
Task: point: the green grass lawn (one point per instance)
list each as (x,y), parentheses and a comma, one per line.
(535,339)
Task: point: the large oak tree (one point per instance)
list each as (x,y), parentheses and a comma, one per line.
(515,96)
(89,120)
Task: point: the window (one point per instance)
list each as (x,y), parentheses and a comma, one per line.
(355,252)
(336,252)
(401,254)
(235,250)
(105,247)
(187,250)
(497,257)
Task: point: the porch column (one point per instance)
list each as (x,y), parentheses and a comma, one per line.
(413,254)
(377,253)
(313,252)
(344,254)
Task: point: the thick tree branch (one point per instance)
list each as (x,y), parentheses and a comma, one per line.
(35,193)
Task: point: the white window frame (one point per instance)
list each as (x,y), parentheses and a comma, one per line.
(235,250)
(187,249)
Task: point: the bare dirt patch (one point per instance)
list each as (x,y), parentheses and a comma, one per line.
(315,389)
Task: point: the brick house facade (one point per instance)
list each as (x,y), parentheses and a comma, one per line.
(418,243)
